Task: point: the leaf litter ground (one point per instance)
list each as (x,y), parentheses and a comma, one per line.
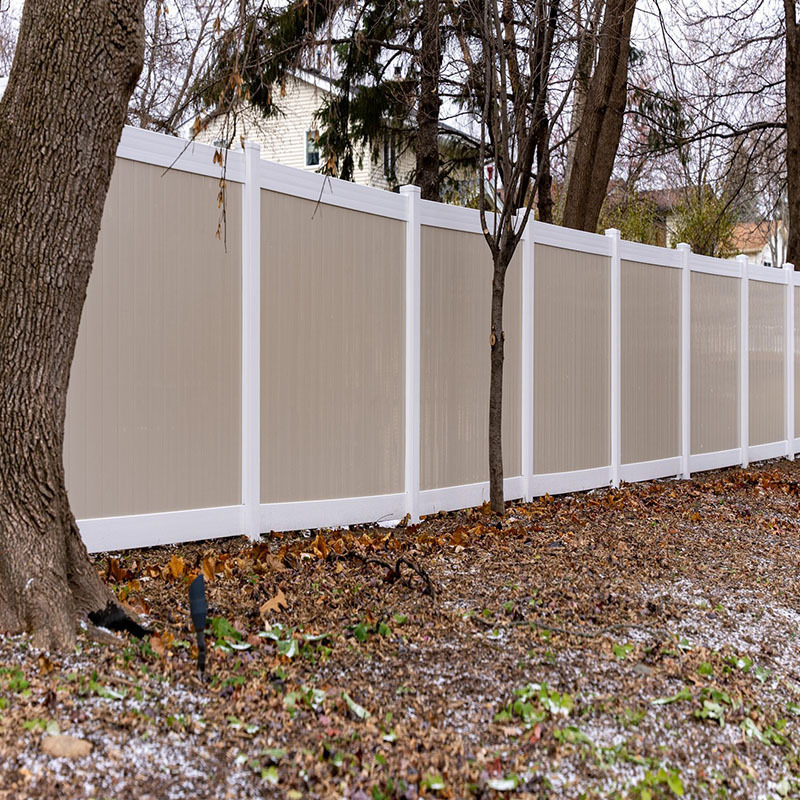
(637,643)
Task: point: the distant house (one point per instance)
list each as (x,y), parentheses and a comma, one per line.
(291,136)
(763,243)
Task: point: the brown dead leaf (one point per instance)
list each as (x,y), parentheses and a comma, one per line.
(208,565)
(66,746)
(45,665)
(115,573)
(275,564)
(157,643)
(176,567)
(274,604)
(320,547)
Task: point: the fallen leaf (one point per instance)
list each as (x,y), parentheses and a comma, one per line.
(208,566)
(45,664)
(176,566)
(157,644)
(116,573)
(274,604)
(320,546)
(63,746)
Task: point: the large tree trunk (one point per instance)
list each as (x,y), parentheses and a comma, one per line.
(61,118)
(601,120)
(427,138)
(587,47)
(793,132)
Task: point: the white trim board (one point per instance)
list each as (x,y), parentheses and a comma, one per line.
(169,152)
(565,482)
(169,527)
(761,452)
(279,178)
(700,462)
(451,498)
(649,254)
(334,513)
(650,470)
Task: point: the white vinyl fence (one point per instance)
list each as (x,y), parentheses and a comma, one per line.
(325,361)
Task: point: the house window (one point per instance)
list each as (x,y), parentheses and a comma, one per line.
(312,148)
(390,156)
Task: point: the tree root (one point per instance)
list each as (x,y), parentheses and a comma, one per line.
(395,570)
(114,618)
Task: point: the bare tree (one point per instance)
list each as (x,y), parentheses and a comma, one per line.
(8,37)
(59,150)
(429,103)
(179,48)
(510,77)
(793,129)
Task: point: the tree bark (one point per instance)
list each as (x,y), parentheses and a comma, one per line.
(601,120)
(61,118)
(544,196)
(497,355)
(427,135)
(793,132)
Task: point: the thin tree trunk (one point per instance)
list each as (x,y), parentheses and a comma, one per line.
(793,132)
(497,355)
(544,197)
(601,120)
(60,121)
(427,136)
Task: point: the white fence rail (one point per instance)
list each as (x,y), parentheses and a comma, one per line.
(330,365)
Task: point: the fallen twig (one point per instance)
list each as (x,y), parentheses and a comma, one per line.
(394,571)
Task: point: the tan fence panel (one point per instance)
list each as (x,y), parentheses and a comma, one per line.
(767,347)
(650,362)
(456,281)
(571,360)
(332,351)
(715,363)
(154,408)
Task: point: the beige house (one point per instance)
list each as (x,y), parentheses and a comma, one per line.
(291,137)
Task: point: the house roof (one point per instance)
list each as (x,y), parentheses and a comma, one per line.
(752,237)
(664,199)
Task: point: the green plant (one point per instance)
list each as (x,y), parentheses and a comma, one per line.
(534,703)
(621,650)
(660,783)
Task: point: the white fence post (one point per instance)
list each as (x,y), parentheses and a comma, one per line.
(744,360)
(527,360)
(616,357)
(413,334)
(790,323)
(686,360)
(251,341)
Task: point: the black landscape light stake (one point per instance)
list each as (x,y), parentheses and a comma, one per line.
(199,608)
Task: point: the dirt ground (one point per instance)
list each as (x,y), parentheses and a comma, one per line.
(639,643)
